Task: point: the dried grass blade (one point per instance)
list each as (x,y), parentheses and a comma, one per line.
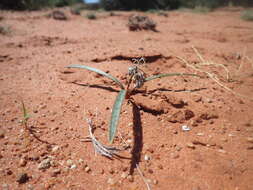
(98,147)
(169,75)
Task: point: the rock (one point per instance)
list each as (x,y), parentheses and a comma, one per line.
(55,148)
(250,139)
(178,148)
(73,166)
(101,171)
(130,178)
(200,134)
(8,171)
(111,171)
(190,145)
(110,181)
(150,150)
(174,155)
(22,178)
(188,114)
(69,163)
(185,128)
(222,151)
(197,98)
(155,182)
(150,171)
(87,169)
(146,157)
(208,116)
(2,133)
(137,22)
(124,175)
(44,164)
(197,142)
(55,172)
(160,166)
(177,117)
(176,102)
(59,15)
(30,187)
(22,162)
(224,139)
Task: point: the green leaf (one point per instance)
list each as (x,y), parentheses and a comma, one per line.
(99,72)
(116,114)
(169,75)
(25,114)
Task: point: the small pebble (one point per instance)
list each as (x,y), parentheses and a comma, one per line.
(250,139)
(8,171)
(110,181)
(150,171)
(22,162)
(178,148)
(222,151)
(155,181)
(224,139)
(2,133)
(101,171)
(22,178)
(111,171)
(200,134)
(124,175)
(185,128)
(73,166)
(197,142)
(87,169)
(44,164)
(190,145)
(146,157)
(69,163)
(160,166)
(174,155)
(55,172)
(55,148)
(130,178)
(30,187)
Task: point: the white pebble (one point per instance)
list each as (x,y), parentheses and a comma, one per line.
(146,157)
(186,128)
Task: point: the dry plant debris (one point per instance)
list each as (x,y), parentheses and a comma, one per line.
(137,22)
(58,15)
(101,149)
(199,67)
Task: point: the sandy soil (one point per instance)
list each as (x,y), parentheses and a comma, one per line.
(217,152)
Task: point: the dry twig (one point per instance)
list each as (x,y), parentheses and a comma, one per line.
(106,151)
(210,75)
(143,178)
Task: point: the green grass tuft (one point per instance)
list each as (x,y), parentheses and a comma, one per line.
(247,15)
(91,16)
(5,30)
